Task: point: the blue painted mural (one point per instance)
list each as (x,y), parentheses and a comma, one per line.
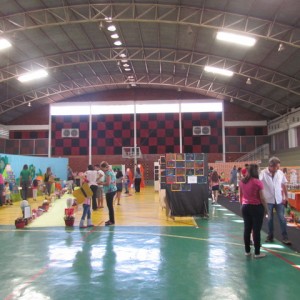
(37,165)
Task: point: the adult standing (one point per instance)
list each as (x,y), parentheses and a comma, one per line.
(110,189)
(1,189)
(254,207)
(92,177)
(274,190)
(137,179)
(100,187)
(215,186)
(126,182)
(70,173)
(233,177)
(119,184)
(25,181)
(48,180)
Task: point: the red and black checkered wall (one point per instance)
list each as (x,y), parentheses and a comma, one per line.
(156,133)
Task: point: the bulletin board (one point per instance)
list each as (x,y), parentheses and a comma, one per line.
(186,183)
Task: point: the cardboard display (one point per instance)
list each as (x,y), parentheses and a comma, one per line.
(83,192)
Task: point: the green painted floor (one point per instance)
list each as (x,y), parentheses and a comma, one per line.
(206,262)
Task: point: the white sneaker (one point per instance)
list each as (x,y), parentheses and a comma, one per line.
(247,253)
(261,255)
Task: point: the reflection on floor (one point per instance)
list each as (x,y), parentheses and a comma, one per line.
(143,261)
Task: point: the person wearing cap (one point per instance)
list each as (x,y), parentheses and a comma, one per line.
(275,193)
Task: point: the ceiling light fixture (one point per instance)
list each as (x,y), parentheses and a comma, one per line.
(29,104)
(108,19)
(111,28)
(231,100)
(281,47)
(236,38)
(101,26)
(118,43)
(122,55)
(33,75)
(126,65)
(127,69)
(124,60)
(218,71)
(114,36)
(248,81)
(4,43)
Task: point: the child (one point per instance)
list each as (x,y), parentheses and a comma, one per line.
(7,194)
(35,185)
(86,212)
(23,204)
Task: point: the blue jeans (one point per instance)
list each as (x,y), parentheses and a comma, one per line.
(86,212)
(282,221)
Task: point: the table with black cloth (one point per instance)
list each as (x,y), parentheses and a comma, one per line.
(188,203)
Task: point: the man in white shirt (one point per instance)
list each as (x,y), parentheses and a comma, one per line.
(275,193)
(101,178)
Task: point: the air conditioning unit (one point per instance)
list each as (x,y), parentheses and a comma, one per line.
(70,133)
(201,130)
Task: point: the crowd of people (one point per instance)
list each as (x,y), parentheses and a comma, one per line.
(103,180)
(260,192)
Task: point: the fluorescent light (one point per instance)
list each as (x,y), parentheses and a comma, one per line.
(218,71)
(236,38)
(70,109)
(118,43)
(33,75)
(156,108)
(202,107)
(4,44)
(111,28)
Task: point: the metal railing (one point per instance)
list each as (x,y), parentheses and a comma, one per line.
(257,154)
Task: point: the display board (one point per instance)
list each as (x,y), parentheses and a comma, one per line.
(185,181)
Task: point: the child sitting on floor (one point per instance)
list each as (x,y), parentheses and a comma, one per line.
(7,194)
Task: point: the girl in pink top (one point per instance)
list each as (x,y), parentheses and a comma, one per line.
(254,208)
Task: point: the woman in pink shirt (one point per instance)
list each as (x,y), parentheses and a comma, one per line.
(254,207)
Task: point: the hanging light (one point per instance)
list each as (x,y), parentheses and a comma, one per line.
(281,47)
(249,81)
(29,104)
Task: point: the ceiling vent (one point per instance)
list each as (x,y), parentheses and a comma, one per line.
(201,130)
(70,133)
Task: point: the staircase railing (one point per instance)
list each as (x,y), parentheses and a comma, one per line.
(257,154)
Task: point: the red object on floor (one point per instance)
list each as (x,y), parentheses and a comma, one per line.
(69,211)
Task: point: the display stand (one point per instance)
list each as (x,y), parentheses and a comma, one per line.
(186,184)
